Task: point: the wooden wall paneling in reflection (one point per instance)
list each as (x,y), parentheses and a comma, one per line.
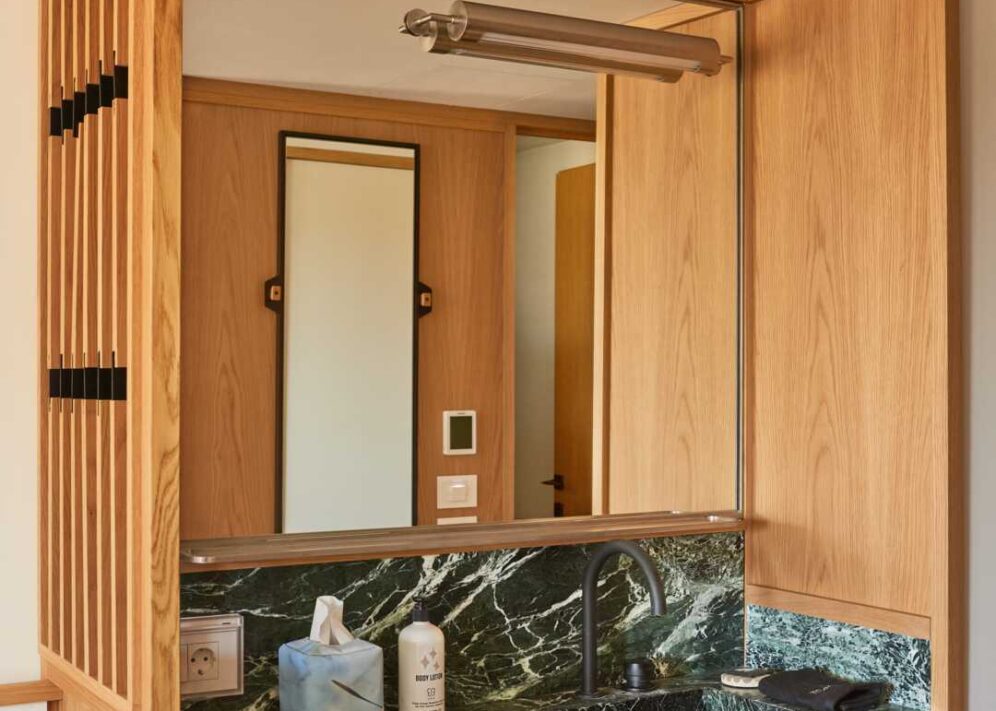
(230,232)
(227,349)
(673,294)
(855,490)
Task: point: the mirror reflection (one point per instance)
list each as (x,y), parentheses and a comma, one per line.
(349,247)
(436,288)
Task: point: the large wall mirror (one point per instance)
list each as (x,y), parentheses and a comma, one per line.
(424,289)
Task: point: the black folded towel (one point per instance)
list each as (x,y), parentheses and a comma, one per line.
(817,690)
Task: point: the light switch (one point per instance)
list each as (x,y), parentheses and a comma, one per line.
(456,492)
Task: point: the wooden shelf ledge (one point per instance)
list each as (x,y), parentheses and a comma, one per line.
(309,548)
(29,692)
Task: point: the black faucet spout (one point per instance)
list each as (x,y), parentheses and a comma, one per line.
(589,601)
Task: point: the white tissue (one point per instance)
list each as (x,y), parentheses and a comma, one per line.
(326,626)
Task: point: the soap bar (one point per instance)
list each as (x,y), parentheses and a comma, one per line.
(320,677)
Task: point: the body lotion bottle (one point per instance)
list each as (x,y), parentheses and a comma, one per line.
(421,664)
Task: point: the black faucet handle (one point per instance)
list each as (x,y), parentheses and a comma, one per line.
(640,674)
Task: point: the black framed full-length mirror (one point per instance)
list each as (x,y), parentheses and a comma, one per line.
(347,334)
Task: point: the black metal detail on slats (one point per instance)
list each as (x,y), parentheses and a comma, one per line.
(106,90)
(79,111)
(92,99)
(55,121)
(105,384)
(67,114)
(119,383)
(120,81)
(88,383)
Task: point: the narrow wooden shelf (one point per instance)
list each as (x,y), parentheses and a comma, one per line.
(29,692)
(306,548)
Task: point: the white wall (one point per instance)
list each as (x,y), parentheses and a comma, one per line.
(535,223)
(18,434)
(979,172)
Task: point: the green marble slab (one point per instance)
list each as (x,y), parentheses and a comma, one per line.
(785,640)
(511,618)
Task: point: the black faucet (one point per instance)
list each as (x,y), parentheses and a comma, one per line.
(589,600)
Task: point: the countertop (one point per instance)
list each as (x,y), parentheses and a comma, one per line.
(679,695)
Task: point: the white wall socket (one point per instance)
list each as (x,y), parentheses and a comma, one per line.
(211,656)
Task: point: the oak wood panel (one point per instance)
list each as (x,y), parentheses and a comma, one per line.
(574,298)
(29,692)
(46,420)
(120,180)
(673,323)
(849,612)
(855,471)
(676,15)
(65,212)
(230,232)
(228,93)
(156,109)
(373,160)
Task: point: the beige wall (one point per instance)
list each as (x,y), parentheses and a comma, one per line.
(18,199)
(979,171)
(348,344)
(535,243)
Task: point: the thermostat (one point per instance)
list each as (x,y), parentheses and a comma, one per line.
(459,432)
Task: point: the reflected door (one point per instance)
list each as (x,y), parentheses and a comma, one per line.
(349,351)
(574,339)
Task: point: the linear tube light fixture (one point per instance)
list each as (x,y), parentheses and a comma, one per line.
(508,34)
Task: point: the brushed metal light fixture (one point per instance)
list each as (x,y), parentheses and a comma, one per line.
(524,36)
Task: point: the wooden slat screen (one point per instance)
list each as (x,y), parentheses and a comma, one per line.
(83,235)
(102,541)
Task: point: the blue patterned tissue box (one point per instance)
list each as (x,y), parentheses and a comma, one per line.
(321,677)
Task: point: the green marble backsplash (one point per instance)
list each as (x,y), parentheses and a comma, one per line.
(512,617)
(785,640)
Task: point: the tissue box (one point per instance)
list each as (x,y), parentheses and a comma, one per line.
(320,677)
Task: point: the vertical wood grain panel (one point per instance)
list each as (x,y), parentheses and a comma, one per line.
(65,320)
(78,510)
(154,394)
(109,223)
(89,265)
(230,233)
(119,357)
(673,322)
(855,468)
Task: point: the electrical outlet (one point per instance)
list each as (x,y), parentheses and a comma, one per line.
(203,661)
(212,656)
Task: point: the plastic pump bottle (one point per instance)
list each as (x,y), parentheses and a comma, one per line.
(421,664)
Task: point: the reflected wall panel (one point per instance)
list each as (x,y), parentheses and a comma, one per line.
(672,288)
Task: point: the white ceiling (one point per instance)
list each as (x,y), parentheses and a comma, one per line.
(353,46)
